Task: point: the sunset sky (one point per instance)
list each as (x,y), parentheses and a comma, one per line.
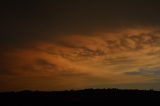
(60,45)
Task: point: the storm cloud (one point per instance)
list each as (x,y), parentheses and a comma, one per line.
(78,44)
(26,21)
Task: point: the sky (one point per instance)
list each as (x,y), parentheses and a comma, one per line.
(60,45)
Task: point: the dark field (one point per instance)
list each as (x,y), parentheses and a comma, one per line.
(79,97)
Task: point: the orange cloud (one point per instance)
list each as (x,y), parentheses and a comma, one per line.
(79,61)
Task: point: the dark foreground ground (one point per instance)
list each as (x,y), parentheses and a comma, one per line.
(80,97)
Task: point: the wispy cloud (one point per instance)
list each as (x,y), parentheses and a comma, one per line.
(153,72)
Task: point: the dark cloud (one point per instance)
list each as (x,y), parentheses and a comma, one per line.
(5,72)
(72,73)
(135,73)
(86,52)
(26,21)
(44,64)
(146,72)
(34,41)
(118,60)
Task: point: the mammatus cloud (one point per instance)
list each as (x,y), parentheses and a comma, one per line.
(77,61)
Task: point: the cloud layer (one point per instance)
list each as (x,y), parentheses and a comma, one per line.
(55,45)
(78,61)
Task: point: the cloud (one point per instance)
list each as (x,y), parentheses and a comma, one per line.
(154,72)
(64,44)
(31,21)
(78,61)
(45,64)
(6,72)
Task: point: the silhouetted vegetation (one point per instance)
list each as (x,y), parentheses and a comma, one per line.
(86,96)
